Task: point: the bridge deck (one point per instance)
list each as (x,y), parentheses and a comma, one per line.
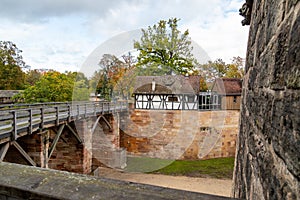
(22,119)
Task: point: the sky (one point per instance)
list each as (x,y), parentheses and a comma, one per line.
(63,34)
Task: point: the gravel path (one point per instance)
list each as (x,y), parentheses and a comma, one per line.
(204,185)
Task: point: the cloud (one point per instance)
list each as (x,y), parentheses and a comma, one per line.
(36,10)
(60,33)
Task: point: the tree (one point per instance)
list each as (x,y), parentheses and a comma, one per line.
(52,87)
(81,86)
(163,51)
(32,76)
(235,69)
(11,75)
(80,91)
(213,70)
(110,66)
(108,81)
(219,69)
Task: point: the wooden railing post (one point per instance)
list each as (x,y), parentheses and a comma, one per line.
(78,112)
(30,121)
(95,111)
(42,118)
(57,115)
(69,113)
(15,128)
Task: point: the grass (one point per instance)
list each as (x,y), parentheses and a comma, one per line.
(221,168)
(145,164)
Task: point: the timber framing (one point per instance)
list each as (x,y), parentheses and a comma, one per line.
(7,145)
(3,151)
(183,93)
(23,152)
(98,120)
(166,101)
(56,138)
(4,147)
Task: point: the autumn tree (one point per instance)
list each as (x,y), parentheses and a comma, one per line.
(235,69)
(125,85)
(109,68)
(219,69)
(109,81)
(164,50)
(11,75)
(32,76)
(52,87)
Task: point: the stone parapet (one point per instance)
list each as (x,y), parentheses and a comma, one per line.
(22,182)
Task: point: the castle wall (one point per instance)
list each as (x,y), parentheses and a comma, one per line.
(176,134)
(268,159)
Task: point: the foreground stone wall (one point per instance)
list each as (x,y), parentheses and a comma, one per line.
(172,134)
(18,182)
(268,159)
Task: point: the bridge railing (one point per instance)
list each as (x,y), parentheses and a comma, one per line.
(27,118)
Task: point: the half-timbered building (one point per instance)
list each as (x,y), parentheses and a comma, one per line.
(170,92)
(229,91)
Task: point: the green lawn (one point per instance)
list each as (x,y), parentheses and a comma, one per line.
(214,168)
(145,164)
(221,168)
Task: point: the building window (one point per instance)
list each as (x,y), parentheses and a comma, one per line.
(234,99)
(173,99)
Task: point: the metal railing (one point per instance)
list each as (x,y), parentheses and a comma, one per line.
(27,118)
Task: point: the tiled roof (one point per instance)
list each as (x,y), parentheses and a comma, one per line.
(228,86)
(170,84)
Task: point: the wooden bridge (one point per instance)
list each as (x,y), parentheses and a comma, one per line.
(21,119)
(35,131)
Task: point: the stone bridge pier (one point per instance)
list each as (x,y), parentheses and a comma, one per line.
(79,146)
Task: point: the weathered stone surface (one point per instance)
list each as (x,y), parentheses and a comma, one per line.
(175,134)
(268,157)
(22,182)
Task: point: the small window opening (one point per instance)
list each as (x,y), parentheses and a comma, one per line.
(173,99)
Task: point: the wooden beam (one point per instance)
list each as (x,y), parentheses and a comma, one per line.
(53,145)
(24,154)
(96,122)
(15,127)
(3,151)
(107,123)
(30,121)
(74,133)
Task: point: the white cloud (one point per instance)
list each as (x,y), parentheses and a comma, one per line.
(60,34)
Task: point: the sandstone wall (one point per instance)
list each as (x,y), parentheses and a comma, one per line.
(268,152)
(172,134)
(69,155)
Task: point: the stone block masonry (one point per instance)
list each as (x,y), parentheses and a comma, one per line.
(171,134)
(268,157)
(23,182)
